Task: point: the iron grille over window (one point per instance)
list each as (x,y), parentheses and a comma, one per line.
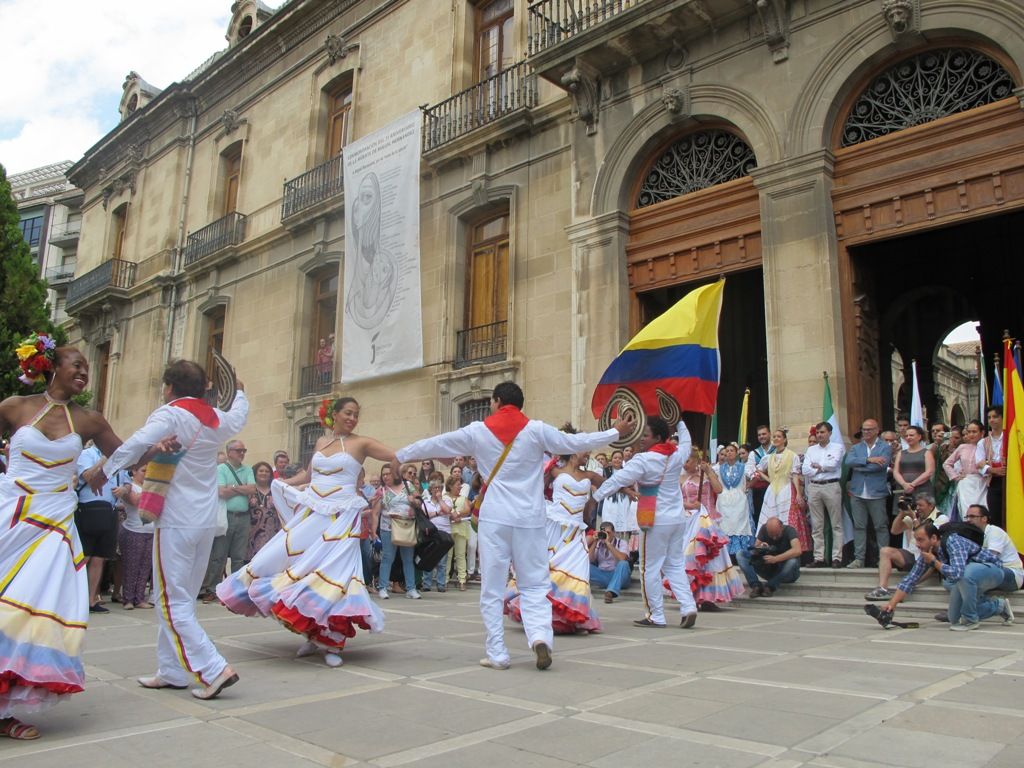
(697,161)
(474,410)
(923,88)
(308,435)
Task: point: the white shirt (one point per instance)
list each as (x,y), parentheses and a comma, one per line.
(515,497)
(192,499)
(982,455)
(829,458)
(441,521)
(754,458)
(132,521)
(997,540)
(649,468)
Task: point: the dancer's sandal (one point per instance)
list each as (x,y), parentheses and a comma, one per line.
(156,682)
(17,730)
(225,679)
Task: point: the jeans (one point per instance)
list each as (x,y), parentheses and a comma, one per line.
(613,581)
(366,552)
(967,598)
(438,575)
(774,574)
(388,557)
(861,510)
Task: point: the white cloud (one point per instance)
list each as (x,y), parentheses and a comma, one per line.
(65,62)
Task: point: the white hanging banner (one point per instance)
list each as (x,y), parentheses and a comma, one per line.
(382,328)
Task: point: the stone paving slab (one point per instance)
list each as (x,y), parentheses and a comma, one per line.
(748,687)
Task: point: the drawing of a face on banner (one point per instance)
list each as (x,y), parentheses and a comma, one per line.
(372,290)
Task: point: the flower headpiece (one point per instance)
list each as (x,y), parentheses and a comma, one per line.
(326,413)
(36,358)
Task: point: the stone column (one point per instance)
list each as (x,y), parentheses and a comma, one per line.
(600,303)
(803,322)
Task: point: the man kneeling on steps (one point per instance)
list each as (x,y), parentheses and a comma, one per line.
(775,557)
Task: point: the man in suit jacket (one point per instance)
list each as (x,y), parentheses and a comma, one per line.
(868,488)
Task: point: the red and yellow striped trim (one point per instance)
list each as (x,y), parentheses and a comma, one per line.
(46,462)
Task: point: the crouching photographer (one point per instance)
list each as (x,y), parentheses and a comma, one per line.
(955,552)
(775,557)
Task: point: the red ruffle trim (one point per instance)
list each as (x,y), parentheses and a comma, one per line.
(303,625)
(10,680)
(560,612)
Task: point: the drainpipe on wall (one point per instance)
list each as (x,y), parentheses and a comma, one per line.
(180,244)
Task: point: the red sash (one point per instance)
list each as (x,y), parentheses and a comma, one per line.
(507,422)
(201,410)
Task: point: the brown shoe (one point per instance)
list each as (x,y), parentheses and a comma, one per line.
(609,597)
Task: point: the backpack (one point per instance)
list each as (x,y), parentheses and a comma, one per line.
(965,530)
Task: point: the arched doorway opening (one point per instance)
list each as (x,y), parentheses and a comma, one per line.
(695,218)
(928,198)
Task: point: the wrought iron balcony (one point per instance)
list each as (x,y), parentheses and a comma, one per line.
(65,273)
(549,22)
(111,278)
(509,91)
(65,234)
(314,186)
(481,344)
(224,232)
(314,380)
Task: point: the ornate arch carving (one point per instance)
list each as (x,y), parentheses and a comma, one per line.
(993,25)
(696,160)
(632,149)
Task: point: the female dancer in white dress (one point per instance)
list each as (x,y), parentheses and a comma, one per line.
(732,503)
(44,605)
(569,559)
(310,575)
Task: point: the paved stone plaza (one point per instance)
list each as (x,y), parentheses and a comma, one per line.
(748,687)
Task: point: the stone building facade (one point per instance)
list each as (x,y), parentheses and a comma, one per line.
(585,163)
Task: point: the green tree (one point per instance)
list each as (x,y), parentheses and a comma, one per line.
(23,307)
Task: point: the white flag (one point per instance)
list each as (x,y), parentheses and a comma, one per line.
(916,413)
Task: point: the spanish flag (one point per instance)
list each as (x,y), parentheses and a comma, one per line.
(1013,445)
(677,352)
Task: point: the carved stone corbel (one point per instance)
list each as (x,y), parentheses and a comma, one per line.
(337,47)
(479,192)
(584,89)
(231,121)
(902,16)
(676,101)
(774,15)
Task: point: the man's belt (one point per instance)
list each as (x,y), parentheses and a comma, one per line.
(823,482)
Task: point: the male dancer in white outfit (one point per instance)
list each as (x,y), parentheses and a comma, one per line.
(513,514)
(186,528)
(662,547)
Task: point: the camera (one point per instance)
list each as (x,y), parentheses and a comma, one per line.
(602,535)
(906,502)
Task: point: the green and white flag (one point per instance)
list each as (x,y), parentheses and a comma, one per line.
(713,445)
(828,413)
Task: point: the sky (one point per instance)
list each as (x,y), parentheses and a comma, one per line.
(64,62)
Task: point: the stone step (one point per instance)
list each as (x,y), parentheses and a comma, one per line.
(916,607)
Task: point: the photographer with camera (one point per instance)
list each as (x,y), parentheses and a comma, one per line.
(775,557)
(911,512)
(610,568)
(963,565)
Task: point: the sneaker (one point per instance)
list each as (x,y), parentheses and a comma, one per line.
(609,597)
(942,616)
(543,653)
(382,594)
(965,627)
(688,621)
(1007,612)
(756,591)
(412,594)
(856,564)
(879,594)
(491,664)
(767,591)
(98,608)
(425,588)
(837,563)
(332,659)
(442,589)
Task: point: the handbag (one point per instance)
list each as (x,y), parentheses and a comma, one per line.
(479,499)
(403,532)
(159,473)
(645,505)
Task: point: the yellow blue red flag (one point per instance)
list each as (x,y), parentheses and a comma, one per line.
(1013,445)
(677,352)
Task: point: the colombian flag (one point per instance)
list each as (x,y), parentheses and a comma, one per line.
(676,352)
(1013,445)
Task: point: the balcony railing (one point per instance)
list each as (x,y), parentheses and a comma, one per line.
(225,231)
(315,380)
(314,186)
(482,344)
(66,232)
(510,90)
(549,22)
(115,273)
(62,274)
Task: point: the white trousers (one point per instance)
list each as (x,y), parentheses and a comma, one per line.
(662,551)
(471,547)
(184,652)
(527,551)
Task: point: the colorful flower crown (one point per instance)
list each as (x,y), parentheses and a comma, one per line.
(36,357)
(326,412)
